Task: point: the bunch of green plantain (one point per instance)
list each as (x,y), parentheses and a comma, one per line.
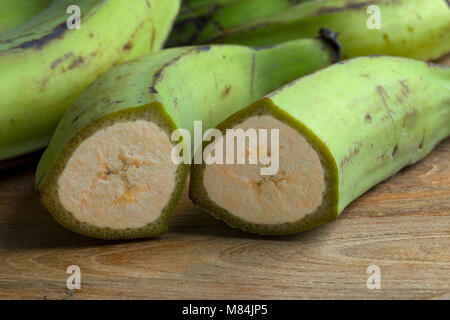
(126,112)
(418,29)
(45,65)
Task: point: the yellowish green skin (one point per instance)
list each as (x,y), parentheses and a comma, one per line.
(418,29)
(367,118)
(13,13)
(201,19)
(44,66)
(171,88)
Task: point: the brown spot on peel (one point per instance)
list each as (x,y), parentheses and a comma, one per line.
(226,91)
(128,46)
(384,97)
(58,61)
(56,33)
(394,151)
(352,153)
(76,62)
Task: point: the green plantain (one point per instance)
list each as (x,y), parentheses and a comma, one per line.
(45,66)
(418,29)
(201,19)
(341,131)
(109,172)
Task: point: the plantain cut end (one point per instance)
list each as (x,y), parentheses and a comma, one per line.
(301,195)
(115,179)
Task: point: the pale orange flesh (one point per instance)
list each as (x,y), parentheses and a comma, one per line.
(120,177)
(288,196)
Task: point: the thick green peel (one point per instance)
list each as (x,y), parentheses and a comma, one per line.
(172,89)
(366,118)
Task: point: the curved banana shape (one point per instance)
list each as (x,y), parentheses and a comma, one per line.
(204,19)
(418,29)
(44,66)
(14,13)
(342,130)
(108,171)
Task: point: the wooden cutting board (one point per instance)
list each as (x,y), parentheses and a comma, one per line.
(402,226)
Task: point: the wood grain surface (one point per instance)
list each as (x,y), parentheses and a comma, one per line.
(402,226)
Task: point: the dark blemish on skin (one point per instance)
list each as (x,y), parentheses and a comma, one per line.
(382,156)
(410,29)
(386,37)
(405,88)
(351,154)
(368,118)
(60,60)
(412,115)
(226,91)
(394,152)
(153,90)
(76,62)
(158,75)
(384,97)
(204,48)
(365,75)
(91,35)
(76,119)
(423,139)
(175,103)
(56,33)
(79,115)
(148,4)
(13,120)
(128,46)
(44,83)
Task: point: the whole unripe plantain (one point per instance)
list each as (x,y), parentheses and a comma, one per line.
(14,13)
(418,29)
(342,130)
(108,171)
(203,19)
(44,66)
